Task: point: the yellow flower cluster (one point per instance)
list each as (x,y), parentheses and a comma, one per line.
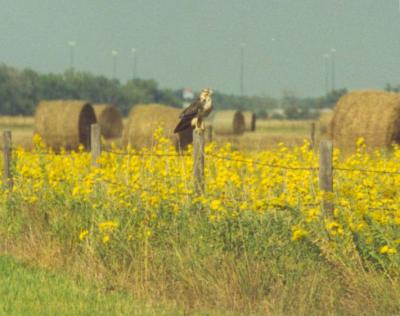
(155,183)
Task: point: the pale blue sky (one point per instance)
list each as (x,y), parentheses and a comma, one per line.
(197,43)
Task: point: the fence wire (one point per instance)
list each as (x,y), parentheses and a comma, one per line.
(261,163)
(254,162)
(365,170)
(144,154)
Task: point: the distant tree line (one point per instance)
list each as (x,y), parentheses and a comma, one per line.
(309,108)
(392,88)
(21,90)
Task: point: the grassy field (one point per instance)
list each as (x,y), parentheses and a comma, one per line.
(28,290)
(255,242)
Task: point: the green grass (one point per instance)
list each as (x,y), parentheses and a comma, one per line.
(26,290)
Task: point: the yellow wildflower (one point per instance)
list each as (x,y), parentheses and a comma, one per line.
(298,233)
(215,205)
(83,234)
(334,228)
(108,226)
(106,239)
(387,250)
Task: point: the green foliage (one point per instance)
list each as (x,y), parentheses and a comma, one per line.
(20,91)
(392,88)
(308,108)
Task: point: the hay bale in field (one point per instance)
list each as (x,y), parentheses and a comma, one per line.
(249,121)
(228,122)
(144,119)
(64,123)
(373,115)
(110,120)
(324,123)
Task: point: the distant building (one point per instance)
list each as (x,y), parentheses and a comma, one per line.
(187,96)
(276,112)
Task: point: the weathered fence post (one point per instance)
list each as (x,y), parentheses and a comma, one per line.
(7,150)
(198,161)
(312,135)
(95,142)
(208,133)
(326,176)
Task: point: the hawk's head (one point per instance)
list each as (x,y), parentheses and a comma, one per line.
(205,93)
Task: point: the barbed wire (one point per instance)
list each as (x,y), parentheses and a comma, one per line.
(145,154)
(257,162)
(365,170)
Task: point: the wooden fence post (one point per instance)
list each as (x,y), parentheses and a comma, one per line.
(326,176)
(7,150)
(95,143)
(312,135)
(208,133)
(198,162)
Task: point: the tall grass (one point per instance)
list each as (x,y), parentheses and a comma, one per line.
(246,265)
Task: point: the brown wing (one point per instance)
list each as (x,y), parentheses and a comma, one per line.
(187,115)
(192,109)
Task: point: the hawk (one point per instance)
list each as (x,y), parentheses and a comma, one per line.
(193,115)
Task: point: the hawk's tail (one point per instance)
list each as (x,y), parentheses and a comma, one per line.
(182,125)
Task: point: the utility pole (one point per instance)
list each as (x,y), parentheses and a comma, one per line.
(134,69)
(71,45)
(333,52)
(242,45)
(326,73)
(114,53)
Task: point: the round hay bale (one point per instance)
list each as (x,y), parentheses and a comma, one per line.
(144,119)
(324,123)
(64,123)
(228,122)
(249,121)
(110,120)
(372,115)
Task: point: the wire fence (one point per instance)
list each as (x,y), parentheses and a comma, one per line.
(325,171)
(261,163)
(219,157)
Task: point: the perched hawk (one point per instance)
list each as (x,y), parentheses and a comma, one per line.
(193,115)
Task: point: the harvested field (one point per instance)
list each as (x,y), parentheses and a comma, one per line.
(284,126)
(268,135)
(254,141)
